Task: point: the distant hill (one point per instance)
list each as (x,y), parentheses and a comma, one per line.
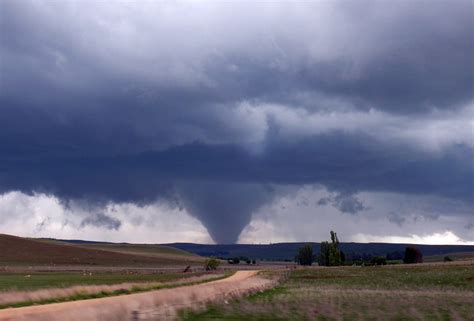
(152,250)
(22,251)
(287,251)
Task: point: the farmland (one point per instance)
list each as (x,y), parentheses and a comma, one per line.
(456,256)
(153,250)
(38,280)
(43,271)
(151,305)
(414,292)
(53,288)
(17,251)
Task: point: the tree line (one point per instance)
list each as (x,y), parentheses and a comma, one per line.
(331,255)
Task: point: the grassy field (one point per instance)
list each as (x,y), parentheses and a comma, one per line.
(458,256)
(35,281)
(402,293)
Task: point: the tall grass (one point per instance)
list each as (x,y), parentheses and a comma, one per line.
(421,292)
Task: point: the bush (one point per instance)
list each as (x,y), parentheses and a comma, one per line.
(211,264)
(379,260)
(412,255)
(447,259)
(254,262)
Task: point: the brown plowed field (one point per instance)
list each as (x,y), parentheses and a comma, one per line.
(20,251)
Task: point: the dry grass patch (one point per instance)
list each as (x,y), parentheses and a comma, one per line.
(102,285)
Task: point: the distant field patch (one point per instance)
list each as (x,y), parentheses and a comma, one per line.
(152,250)
(458,256)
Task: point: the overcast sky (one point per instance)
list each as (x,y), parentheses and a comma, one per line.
(228,122)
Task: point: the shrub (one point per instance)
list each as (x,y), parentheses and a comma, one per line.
(211,264)
(447,259)
(412,255)
(254,262)
(378,260)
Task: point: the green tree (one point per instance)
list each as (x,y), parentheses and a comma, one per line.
(330,255)
(305,255)
(335,253)
(324,254)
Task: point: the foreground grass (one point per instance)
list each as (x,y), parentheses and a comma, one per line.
(401,293)
(123,291)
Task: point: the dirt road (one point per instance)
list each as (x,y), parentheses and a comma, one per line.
(153,305)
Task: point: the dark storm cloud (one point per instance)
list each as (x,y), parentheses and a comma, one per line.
(346,203)
(396,219)
(417,58)
(197,176)
(101,103)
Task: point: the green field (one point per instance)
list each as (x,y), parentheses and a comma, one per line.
(419,292)
(56,287)
(35,281)
(458,256)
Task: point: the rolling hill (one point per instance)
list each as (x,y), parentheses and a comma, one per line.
(22,251)
(150,250)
